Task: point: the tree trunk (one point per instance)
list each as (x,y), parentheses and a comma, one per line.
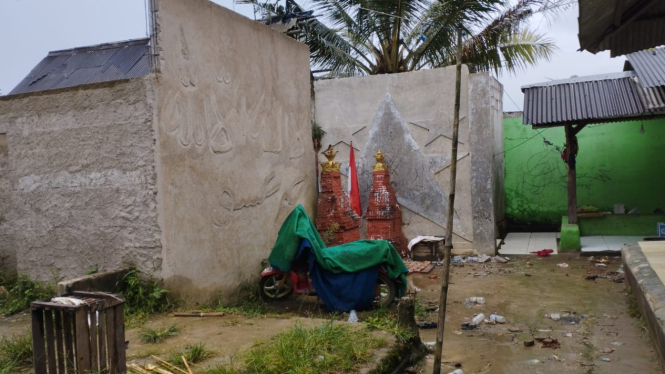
(443,298)
(571,155)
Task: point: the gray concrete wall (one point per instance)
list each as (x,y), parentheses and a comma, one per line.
(82,179)
(7,249)
(485,113)
(235,148)
(409,117)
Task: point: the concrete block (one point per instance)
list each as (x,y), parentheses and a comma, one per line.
(570,238)
(105,281)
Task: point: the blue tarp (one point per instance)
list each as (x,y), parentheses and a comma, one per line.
(341,291)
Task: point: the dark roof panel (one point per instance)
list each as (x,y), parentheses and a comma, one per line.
(621,26)
(100,63)
(590,99)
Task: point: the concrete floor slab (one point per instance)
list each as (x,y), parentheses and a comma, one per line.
(615,243)
(516,243)
(607,242)
(593,244)
(542,240)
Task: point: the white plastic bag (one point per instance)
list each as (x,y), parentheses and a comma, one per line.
(353,317)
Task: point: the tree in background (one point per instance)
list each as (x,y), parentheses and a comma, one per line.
(367,37)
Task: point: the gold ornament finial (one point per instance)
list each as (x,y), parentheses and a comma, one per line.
(330,165)
(379,166)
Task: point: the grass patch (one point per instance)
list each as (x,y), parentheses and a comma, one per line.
(329,348)
(244,301)
(143,296)
(20,291)
(15,353)
(193,353)
(385,320)
(158,335)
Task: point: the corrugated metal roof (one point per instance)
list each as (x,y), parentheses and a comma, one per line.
(600,98)
(621,26)
(99,63)
(649,66)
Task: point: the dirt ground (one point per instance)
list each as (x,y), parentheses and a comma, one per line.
(600,306)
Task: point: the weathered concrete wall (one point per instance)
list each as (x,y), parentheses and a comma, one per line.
(7,249)
(235,151)
(409,117)
(82,179)
(483,119)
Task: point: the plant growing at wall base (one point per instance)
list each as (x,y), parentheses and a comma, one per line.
(20,292)
(143,295)
(317,135)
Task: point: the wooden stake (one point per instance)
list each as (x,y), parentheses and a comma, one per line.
(443,298)
(186,364)
(166,364)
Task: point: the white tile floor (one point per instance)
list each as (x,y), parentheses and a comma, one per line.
(522,243)
(607,243)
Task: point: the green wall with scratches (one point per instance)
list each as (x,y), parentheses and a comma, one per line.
(615,164)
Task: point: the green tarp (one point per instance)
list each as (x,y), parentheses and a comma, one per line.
(350,257)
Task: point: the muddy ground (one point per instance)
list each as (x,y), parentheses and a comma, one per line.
(599,319)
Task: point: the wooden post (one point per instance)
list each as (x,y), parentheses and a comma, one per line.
(443,298)
(570,155)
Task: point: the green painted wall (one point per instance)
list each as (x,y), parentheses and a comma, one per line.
(615,164)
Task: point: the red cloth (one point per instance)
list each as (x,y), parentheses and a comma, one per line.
(543,252)
(354,191)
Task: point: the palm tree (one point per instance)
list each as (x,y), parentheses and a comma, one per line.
(366,37)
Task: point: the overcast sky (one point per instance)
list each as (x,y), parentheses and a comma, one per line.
(29,29)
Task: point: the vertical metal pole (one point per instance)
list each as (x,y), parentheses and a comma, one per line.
(451,210)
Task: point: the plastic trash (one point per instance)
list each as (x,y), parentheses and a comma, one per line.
(353,317)
(497,318)
(474,300)
(478,319)
(562,265)
(555,316)
(456,371)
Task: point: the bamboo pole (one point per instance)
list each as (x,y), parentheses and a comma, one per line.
(443,298)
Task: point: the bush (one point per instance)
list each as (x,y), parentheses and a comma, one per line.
(21,291)
(143,296)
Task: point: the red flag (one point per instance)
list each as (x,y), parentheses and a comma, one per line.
(354,191)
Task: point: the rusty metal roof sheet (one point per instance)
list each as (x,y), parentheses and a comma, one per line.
(99,63)
(591,99)
(649,65)
(621,26)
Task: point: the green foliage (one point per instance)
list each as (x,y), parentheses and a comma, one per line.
(367,37)
(15,353)
(384,320)
(21,291)
(158,335)
(143,296)
(193,353)
(93,270)
(317,134)
(329,348)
